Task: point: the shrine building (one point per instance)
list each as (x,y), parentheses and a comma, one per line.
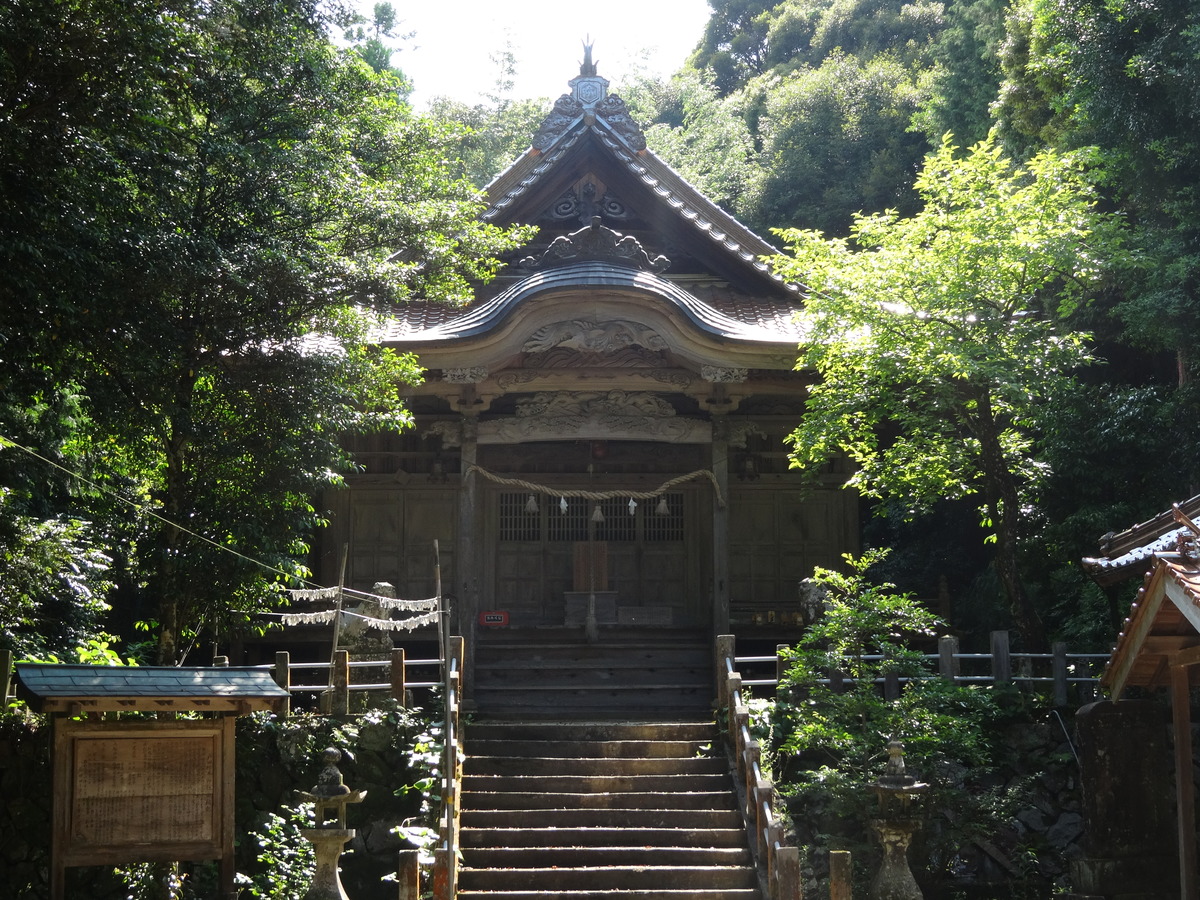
(606,419)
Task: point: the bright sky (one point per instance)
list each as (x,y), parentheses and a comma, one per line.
(454,39)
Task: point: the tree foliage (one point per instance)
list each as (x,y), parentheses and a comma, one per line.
(203,236)
(939,338)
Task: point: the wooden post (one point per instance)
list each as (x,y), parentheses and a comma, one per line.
(720,519)
(441,874)
(891,686)
(725,645)
(283,678)
(399,676)
(787,864)
(1058,666)
(341,683)
(1001,661)
(948,662)
(1185,801)
(841,876)
(837,681)
(6,672)
(408,876)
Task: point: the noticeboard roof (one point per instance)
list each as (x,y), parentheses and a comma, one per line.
(58,688)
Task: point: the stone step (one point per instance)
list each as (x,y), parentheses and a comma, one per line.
(560,765)
(624,818)
(603,749)
(541,800)
(606,878)
(574,730)
(597,784)
(631,894)
(600,836)
(554,656)
(531,709)
(562,857)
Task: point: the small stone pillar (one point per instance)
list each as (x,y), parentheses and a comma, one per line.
(330,795)
(1128,814)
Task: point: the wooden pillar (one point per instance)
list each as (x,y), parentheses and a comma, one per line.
(720,527)
(841,876)
(948,663)
(1001,660)
(6,671)
(1185,802)
(283,678)
(468,556)
(399,677)
(408,876)
(341,683)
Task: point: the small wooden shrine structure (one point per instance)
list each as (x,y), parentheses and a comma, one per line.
(1159,646)
(143,789)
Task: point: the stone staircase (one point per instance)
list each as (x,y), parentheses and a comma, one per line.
(640,673)
(579,810)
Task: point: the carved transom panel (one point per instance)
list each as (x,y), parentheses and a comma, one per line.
(596,337)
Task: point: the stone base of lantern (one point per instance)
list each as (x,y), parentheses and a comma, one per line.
(328,844)
(895,879)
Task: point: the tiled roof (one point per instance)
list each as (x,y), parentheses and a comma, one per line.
(1131,552)
(56,688)
(1162,622)
(717,227)
(731,316)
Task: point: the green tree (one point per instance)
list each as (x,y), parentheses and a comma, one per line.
(835,140)
(940,338)
(226,224)
(493,134)
(701,135)
(734,45)
(368,37)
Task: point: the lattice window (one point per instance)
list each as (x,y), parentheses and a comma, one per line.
(569,526)
(516,522)
(663,527)
(618,524)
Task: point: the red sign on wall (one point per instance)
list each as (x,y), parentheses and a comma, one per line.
(493,619)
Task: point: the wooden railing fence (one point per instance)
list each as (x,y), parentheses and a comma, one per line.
(1057,672)
(336,677)
(779,862)
(445,856)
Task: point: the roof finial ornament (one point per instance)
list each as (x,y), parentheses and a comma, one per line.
(587,68)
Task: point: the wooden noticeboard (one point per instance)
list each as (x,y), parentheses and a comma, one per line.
(144,791)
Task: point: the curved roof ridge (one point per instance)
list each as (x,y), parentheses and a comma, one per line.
(486,316)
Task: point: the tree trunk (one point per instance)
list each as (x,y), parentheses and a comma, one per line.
(1003,502)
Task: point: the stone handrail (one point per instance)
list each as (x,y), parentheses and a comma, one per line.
(778,862)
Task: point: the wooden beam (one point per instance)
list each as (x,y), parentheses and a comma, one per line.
(1185,802)
(1165,643)
(1149,602)
(1186,657)
(1184,601)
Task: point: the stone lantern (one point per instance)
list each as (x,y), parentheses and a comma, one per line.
(898,793)
(329,796)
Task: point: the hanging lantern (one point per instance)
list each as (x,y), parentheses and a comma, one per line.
(531,505)
(562,505)
(632,506)
(662,509)
(598,515)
